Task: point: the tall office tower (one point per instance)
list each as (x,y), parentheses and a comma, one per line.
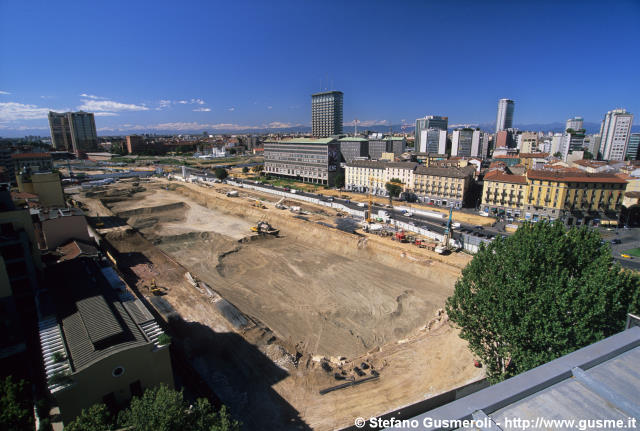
(466,143)
(83,131)
(614,134)
(60,131)
(426,123)
(433,141)
(634,147)
(73,131)
(504,120)
(326,113)
(575,123)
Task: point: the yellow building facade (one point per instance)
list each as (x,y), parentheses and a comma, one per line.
(575,196)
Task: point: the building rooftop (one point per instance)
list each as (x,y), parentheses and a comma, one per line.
(322,93)
(502,177)
(321,141)
(575,177)
(600,381)
(96,319)
(451,172)
(534,155)
(31,156)
(76,249)
(353,139)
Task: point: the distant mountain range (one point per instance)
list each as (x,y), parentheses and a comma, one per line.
(396,128)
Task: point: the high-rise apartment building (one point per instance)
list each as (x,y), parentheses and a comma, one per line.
(60,131)
(575,123)
(326,113)
(466,143)
(633,147)
(429,122)
(433,141)
(504,120)
(73,131)
(614,134)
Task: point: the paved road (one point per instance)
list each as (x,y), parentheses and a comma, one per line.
(629,239)
(416,219)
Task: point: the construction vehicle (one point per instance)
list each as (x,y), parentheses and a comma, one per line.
(155,289)
(280,205)
(263,227)
(400,236)
(445,245)
(256,203)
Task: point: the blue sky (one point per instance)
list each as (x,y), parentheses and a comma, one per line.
(146,65)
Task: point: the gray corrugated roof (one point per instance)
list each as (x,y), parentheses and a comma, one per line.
(600,381)
(94,321)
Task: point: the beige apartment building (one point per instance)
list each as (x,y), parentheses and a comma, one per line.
(443,186)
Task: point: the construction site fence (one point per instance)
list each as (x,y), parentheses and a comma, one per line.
(469,243)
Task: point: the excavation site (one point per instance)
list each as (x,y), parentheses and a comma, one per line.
(317,301)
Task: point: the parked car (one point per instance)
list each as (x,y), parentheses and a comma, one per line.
(626,256)
(616,241)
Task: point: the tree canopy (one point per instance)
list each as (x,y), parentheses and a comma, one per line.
(159,409)
(540,294)
(221,173)
(588,155)
(15,405)
(394,187)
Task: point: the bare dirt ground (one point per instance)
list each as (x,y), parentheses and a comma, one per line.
(317,301)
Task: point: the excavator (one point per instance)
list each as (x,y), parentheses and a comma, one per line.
(263,227)
(155,289)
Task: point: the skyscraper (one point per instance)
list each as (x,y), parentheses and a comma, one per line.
(60,131)
(633,149)
(614,134)
(73,131)
(429,122)
(326,113)
(504,120)
(575,123)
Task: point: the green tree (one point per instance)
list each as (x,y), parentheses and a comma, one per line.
(164,409)
(95,418)
(339,180)
(394,187)
(245,169)
(557,154)
(221,173)
(588,155)
(257,168)
(539,294)
(15,407)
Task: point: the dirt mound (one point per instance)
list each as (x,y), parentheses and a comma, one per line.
(153,210)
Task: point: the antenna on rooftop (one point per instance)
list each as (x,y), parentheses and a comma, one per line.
(355,128)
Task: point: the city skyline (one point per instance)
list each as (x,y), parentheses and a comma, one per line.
(139,76)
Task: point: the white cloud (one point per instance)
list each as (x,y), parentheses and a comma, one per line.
(197,101)
(12,111)
(4,92)
(280,125)
(182,102)
(231,109)
(163,104)
(367,123)
(91,96)
(202,110)
(105,114)
(455,126)
(269,107)
(110,106)
(194,126)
